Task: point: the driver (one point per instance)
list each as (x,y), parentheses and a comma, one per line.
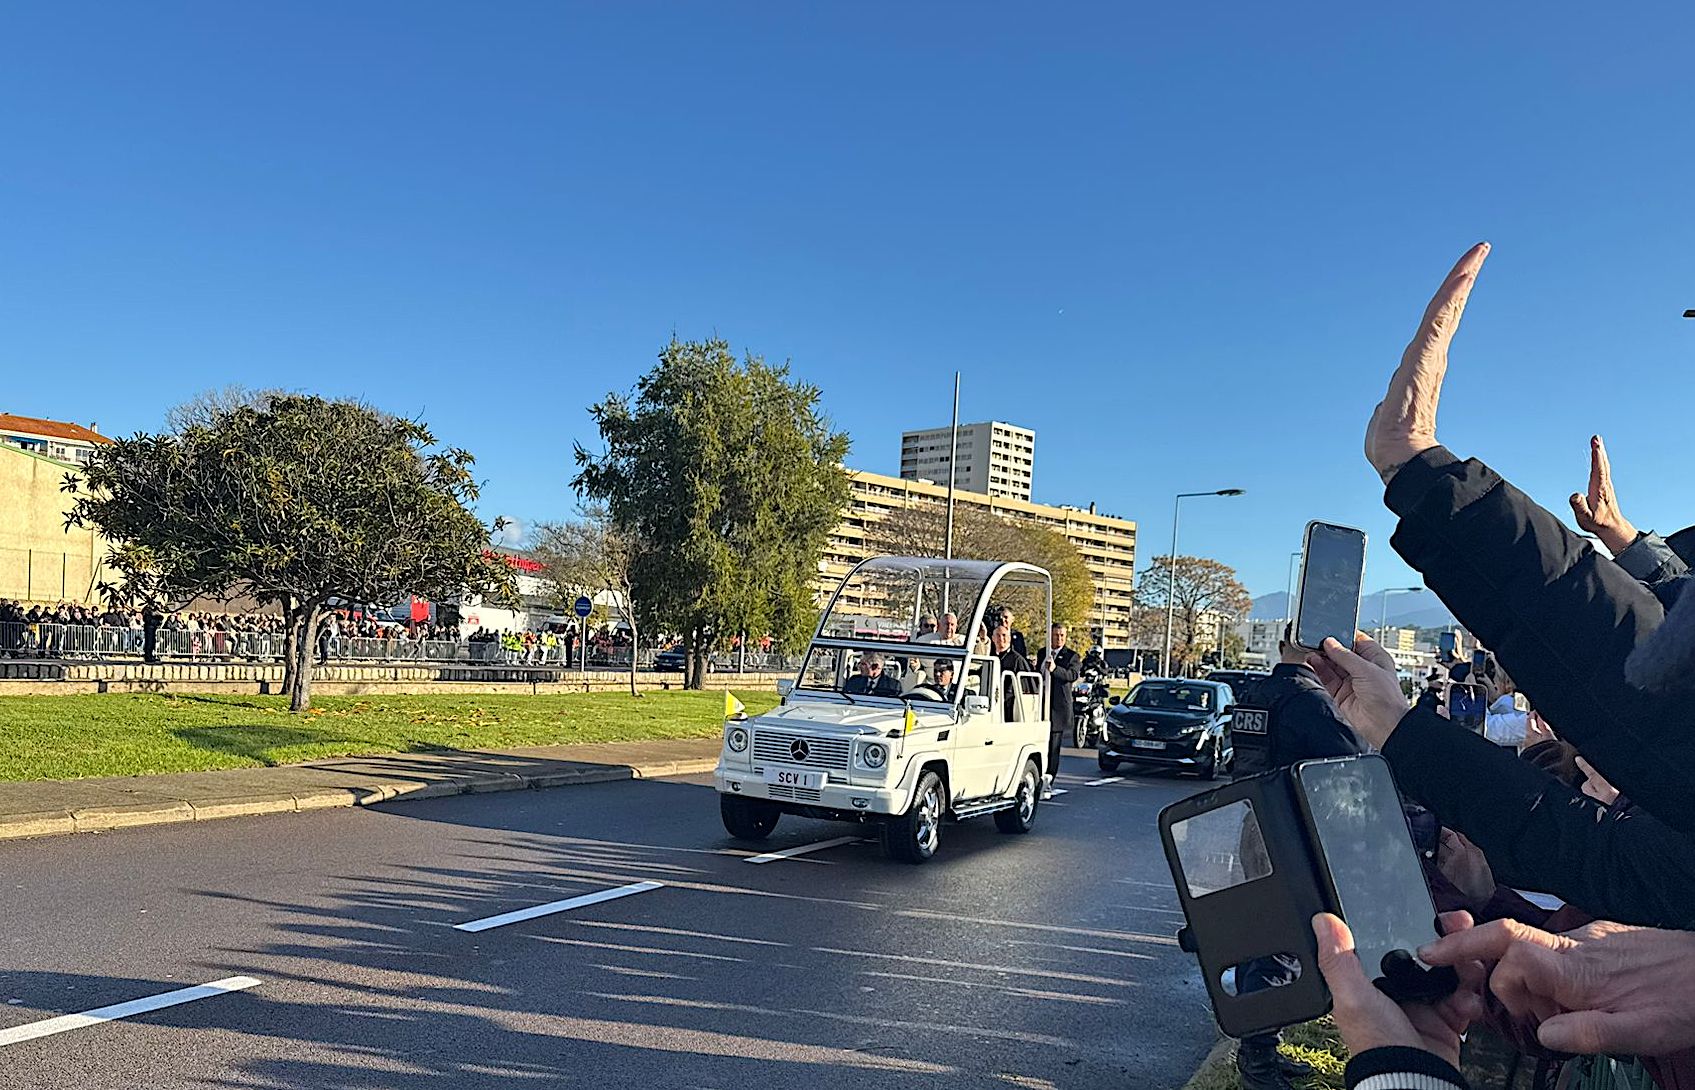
(870,680)
(942,679)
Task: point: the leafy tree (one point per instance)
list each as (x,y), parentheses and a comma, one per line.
(730,479)
(1204,589)
(589,555)
(1234,648)
(981,534)
(292,500)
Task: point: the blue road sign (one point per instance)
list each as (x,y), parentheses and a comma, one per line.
(584,607)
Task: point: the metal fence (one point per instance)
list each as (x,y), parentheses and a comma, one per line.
(23,640)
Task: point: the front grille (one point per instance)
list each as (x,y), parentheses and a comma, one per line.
(794,794)
(777,747)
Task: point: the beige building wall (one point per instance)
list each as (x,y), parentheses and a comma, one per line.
(40,561)
(1108,544)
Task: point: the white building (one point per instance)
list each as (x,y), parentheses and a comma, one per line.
(55,439)
(995,459)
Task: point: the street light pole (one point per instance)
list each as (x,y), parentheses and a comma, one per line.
(1171,569)
(1383,607)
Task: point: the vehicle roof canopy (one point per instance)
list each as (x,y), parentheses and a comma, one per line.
(883,599)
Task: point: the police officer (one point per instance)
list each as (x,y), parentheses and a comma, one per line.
(1301,723)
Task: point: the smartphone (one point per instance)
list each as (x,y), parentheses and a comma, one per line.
(1446,642)
(1328,601)
(1369,861)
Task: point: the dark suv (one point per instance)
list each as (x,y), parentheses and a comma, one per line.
(1171,722)
(1240,681)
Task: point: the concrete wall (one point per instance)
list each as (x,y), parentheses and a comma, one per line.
(39,560)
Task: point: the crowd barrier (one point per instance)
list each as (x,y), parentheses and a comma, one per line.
(22,640)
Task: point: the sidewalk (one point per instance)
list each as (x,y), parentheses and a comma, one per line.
(52,807)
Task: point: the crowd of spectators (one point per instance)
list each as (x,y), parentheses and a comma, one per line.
(1585,801)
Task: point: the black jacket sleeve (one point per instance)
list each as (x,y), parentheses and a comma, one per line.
(1065,667)
(1560,617)
(1306,726)
(1540,834)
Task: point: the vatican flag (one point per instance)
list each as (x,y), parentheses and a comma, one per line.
(733,708)
(911,720)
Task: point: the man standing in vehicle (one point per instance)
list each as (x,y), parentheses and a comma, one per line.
(1302,723)
(1062,666)
(1012,663)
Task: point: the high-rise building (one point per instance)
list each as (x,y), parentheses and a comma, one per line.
(1107,543)
(995,459)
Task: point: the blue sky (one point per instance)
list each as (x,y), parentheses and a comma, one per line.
(1184,243)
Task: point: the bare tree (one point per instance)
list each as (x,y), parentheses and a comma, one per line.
(588,555)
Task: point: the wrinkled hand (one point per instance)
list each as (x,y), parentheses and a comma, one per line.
(1601,988)
(1595,785)
(1403,425)
(1464,864)
(1365,685)
(1598,512)
(1536,730)
(1369,1019)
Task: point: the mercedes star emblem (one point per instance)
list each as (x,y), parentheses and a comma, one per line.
(798,749)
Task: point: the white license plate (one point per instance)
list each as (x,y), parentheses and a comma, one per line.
(1143,743)
(794,777)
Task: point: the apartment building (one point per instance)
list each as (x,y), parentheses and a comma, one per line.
(1107,543)
(995,458)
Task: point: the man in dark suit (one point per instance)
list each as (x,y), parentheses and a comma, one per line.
(870,679)
(1062,666)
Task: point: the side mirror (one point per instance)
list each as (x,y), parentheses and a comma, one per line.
(976,705)
(1115,700)
(1227,709)
(784,688)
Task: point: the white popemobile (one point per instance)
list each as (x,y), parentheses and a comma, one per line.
(895,725)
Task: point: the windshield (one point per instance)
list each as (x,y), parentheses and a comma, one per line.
(864,672)
(898,600)
(1174,696)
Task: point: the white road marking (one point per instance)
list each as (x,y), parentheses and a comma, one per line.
(1057,791)
(50,1026)
(790,853)
(551,907)
(1109,779)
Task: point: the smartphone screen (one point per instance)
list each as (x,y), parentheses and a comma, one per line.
(1331,568)
(1446,643)
(1369,855)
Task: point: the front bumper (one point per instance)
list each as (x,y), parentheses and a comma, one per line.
(1175,752)
(842,797)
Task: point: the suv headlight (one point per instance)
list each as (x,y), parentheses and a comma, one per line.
(875,755)
(736,739)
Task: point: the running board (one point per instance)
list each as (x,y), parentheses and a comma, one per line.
(979,807)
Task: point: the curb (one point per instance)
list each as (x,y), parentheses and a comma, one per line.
(1218,1056)
(172,811)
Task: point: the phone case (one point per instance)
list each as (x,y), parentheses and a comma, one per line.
(1301,583)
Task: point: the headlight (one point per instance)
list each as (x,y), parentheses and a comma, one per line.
(875,755)
(737,739)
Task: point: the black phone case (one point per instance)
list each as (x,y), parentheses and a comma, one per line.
(1257,919)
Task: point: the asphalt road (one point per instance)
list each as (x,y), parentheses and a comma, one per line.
(1029,961)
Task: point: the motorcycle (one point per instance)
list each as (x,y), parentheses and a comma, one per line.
(1088,708)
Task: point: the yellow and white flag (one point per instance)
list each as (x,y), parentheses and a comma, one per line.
(733,708)
(911,721)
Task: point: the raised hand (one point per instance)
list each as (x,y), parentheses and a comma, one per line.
(1403,425)
(1598,512)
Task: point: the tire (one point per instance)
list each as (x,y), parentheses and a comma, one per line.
(1108,765)
(747,819)
(1022,817)
(915,835)
(1213,766)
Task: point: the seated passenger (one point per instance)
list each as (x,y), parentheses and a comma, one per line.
(870,680)
(948,632)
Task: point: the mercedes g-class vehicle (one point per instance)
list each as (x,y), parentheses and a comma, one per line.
(897,724)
